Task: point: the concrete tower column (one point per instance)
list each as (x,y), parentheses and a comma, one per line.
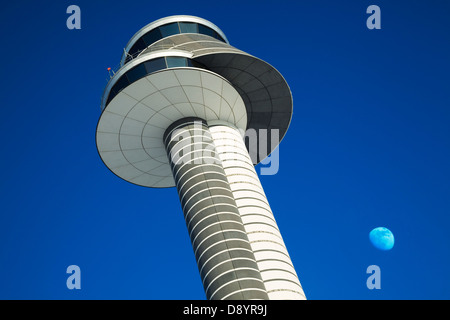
(274,263)
(227,265)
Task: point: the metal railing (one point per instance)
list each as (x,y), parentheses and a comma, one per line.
(129,57)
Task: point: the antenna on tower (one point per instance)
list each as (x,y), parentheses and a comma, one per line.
(110,72)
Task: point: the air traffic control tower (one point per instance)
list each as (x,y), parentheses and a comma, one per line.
(175,115)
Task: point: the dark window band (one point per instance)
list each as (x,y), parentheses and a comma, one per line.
(168,30)
(148,67)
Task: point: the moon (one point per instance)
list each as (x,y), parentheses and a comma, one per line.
(382,238)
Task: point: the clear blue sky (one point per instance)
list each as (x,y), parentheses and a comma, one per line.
(368,146)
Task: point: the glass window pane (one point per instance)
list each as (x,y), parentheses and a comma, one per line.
(120,84)
(188,27)
(155,65)
(195,64)
(217,36)
(110,97)
(152,36)
(205,30)
(136,73)
(173,62)
(169,29)
(138,46)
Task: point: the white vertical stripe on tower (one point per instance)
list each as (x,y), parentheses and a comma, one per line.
(274,263)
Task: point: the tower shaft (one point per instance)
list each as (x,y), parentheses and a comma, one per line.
(225,259)
(237,244)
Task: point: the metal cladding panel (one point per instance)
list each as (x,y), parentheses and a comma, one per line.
(131,127)
(266,95)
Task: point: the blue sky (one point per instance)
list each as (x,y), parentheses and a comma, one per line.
(368,146)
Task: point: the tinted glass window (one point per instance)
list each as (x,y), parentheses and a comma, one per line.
(155,65)
(136,73)
(205,30)
(169,29)
(188,27)
(192,63)
(148,67)
(217,36)
(120,84)
(110,97)
(152,36)
(173,62)
(138,46)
